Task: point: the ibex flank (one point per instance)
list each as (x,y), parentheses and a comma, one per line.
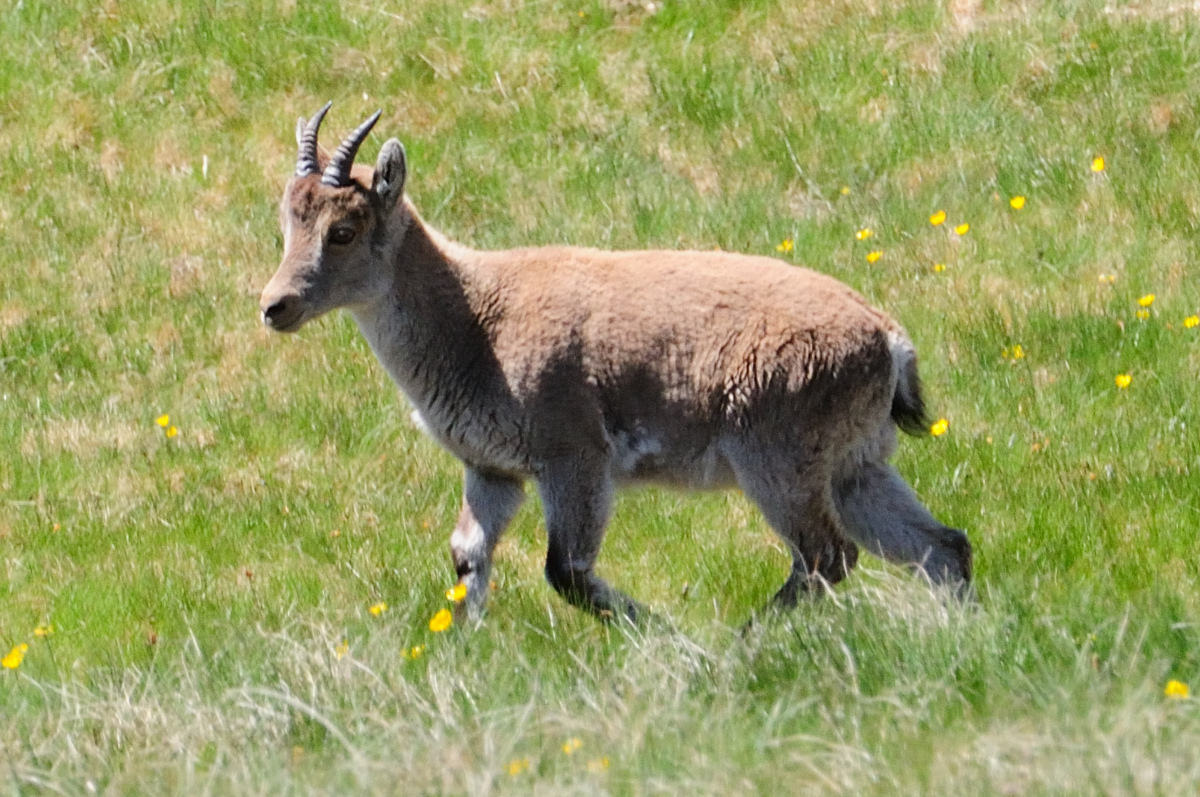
(587,370)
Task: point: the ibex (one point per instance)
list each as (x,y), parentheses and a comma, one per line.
(585,370)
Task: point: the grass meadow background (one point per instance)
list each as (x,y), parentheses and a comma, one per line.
(210,593)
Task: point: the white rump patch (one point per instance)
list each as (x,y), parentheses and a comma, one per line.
(903,351)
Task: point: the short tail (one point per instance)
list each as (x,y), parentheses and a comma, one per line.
(908,405)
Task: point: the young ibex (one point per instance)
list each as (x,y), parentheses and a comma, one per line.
(585,370)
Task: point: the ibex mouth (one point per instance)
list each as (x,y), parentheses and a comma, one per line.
(285,328)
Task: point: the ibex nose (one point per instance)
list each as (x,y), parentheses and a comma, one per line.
(274,311)
(280,313)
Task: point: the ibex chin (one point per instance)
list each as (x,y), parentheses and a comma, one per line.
(586,370)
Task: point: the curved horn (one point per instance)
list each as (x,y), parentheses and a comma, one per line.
(306,139)
(337,173)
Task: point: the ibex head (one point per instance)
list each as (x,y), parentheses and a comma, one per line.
(335,218)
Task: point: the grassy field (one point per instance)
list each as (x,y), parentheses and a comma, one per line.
(196,598)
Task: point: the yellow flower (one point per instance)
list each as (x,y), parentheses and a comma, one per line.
(378,608)
(938,268)
(15,656)
(1146,300)
(1143,314)
(440,621)
(517,766)
(342,649)
(598,765)
(962,229)
(1123,380)
(939,428)
(163,420)
(413,652)
(457,592)
(786,246)
(1017,202)
(1098,163)
(1017,353)
(171,432)
(875,255)
(937,218)
(845,190)
(1191,321)
(43,631)
(571,745)
(1176,689)
(1108,279)
(864,233)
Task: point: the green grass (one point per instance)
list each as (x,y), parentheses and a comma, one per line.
(196,586)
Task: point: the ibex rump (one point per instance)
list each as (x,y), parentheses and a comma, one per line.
(585,370)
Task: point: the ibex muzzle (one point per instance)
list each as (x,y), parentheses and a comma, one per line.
(585,371)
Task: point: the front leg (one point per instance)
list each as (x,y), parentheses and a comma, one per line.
(489,503)
(577,497)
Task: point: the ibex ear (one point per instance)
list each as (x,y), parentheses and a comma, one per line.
(390,171)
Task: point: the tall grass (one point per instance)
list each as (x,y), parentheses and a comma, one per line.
(209,592)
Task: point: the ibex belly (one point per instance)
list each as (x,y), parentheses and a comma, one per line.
(644,456)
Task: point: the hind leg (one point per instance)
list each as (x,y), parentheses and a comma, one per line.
(883,514)
(801,511)
(489,503)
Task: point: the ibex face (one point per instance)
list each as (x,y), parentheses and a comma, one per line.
(334,229)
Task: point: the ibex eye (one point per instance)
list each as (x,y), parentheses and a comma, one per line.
(341,235)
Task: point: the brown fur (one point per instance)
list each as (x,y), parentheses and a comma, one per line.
(583,370)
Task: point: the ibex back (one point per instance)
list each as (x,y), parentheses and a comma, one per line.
(586,370)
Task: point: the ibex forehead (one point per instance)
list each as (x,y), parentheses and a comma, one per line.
(307,200)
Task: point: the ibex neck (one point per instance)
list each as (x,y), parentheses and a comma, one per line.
(426,330)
